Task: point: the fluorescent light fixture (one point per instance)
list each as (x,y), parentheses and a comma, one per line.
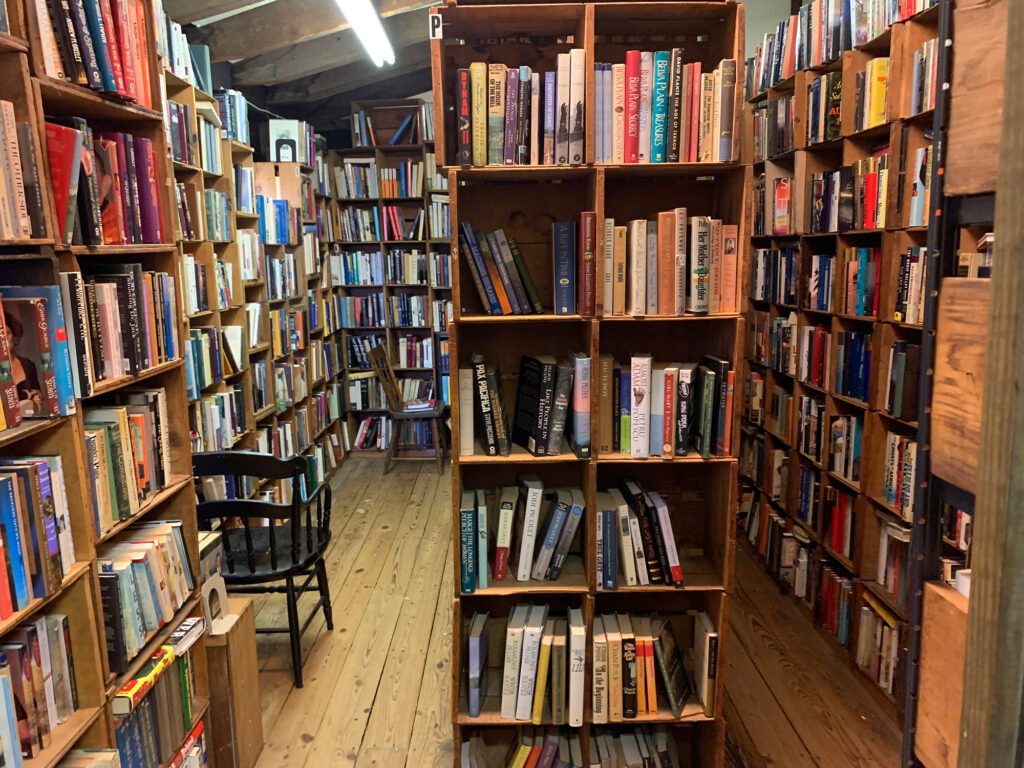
(365,22)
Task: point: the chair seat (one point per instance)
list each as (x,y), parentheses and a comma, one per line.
(234,542)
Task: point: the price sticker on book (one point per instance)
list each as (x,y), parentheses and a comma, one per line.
(435,26)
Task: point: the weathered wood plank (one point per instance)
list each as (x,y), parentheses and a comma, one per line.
(294,62)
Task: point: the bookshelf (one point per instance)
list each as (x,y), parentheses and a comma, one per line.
(386,283)
(39,261)
(805,514)
(524,201)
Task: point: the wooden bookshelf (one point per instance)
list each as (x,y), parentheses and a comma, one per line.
(386,116)
(524,201)
(902,133)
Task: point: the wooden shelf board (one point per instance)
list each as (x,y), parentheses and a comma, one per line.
(490,715)
(259,348)
(176,483)
(618,458)
(542,318)
(18,617)
(880,592)
(64,738)
(27,242)
(520,455)
(112,250)
(669,318)
(67,98)
(9,43)
(28,428)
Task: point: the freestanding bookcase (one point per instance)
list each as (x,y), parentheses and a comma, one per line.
(525,201)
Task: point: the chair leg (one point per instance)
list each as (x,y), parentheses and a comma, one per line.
(438,450)
(294,632)
(325,593)
(392,449)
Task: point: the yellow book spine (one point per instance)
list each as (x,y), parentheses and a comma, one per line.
(478,115)
(542,681)
(879,74)
(520,757)
(641,679)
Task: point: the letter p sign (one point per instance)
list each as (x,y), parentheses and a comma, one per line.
(435,26)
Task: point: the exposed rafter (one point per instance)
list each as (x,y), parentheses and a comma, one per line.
(189,11)
(350,77)
(326,53)
(284,23)
(333,114)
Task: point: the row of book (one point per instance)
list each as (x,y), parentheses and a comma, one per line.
(773,128)
(408,310)
(414,352)
(365,392)
(838,515)
(870,87)
(202,360)
(287,331)
(438,216)
(355,178)
(654,108)
(21,203)
(773,276)
(245,188)
(924,76)
(399,225)
(143,582)
(522,530)
(638,661)
(233,109)
(505,116)
(372,433)
(278,221)
(127,443)
(651,409)
(899,474)
(105,182)
(894,560)
(901,387)
(881,638)
(554,747)
(105,46)
(289,141)
(208,136)
(819,34)
(282,276)
(852,364)
(216,420)
(178,126)
(405,180)
(413,127)
(846,432)
(38,687)
(824,108)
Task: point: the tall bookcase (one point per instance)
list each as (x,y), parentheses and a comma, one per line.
(524,201)
(796,503)
(39,261)
(386,116)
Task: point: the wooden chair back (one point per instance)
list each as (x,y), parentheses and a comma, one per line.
(386,375)
(307,515)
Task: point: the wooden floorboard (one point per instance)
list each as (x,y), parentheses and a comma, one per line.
(376,691)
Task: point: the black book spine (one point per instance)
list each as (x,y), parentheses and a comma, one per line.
(523,112)
(88,188)
(30,168)
(113,622)
(463,117)
(547,401)
(131,175)
(659,539)
(654,569)
(76,10)
(684,417)
(95,339)
(674,102)
(559,408)
(79,321)
(67,41)
(498,412)
(629,673)
(483,406)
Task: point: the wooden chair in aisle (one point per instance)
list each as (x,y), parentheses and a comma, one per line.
(291,548)
(401,412)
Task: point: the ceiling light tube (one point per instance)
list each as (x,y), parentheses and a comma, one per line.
(365,22)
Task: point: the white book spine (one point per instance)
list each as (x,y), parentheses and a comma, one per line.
(651,307)
(599,702)
(577,93)
(681,274)
(562,110)
(528,672)
(577,666)
(533,498)
(618,112)
(466,412)
(646,93)
(600,115)
(638,550)
(626,548)
(699,263)
(606,84)
(510,679)
(637,267)
(640,414)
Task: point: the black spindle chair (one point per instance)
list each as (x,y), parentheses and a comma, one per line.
(291,547)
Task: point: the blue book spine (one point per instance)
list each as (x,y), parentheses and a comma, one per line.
(565,272)
(478,261)
(554,530)
(862,272)
(401,129)
(467,548)
(99,43)
(610,561)
(659,113)
(173,351)
(549,118)
(625,410)
(13,542)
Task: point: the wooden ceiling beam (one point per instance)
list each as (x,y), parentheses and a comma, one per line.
(188,11)
(350,77)
(284,23)
(326,53)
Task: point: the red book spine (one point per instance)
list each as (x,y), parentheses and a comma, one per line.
(141,23)
(632,145)
(8,390)
(668,430)
(51,404)
(124,45)
(587,268)
(113,49)
(695,93)
(870,199)
(500,563)
(60,148)
(465,121)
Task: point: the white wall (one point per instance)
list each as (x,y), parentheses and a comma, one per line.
(763,16)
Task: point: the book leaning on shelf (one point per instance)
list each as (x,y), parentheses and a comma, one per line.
(654,108)
(635,543)
(38,689)
(144,579)
(531,745)
(544,660)
(511,115)
(21,202)
(665,410)
(522,531)
(105,181)
(638,665)
(655,745)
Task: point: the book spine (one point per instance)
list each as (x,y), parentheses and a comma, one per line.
(501,435)
(511,114)
(618,113)
(521,151)
(550,106)
(610,560)
(659,107)
(699,265)
(646,92)
(577,82)
(581,406)
(587,268)
(675,91)
(495,113)
(565,278)
(86,44)
(631,153)
(483,407)
(467,548)
(727,109)
(640,406)
(471,102)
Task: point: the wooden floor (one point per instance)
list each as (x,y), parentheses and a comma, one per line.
(376,688)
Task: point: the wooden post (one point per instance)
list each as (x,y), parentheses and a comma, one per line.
(990,726)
